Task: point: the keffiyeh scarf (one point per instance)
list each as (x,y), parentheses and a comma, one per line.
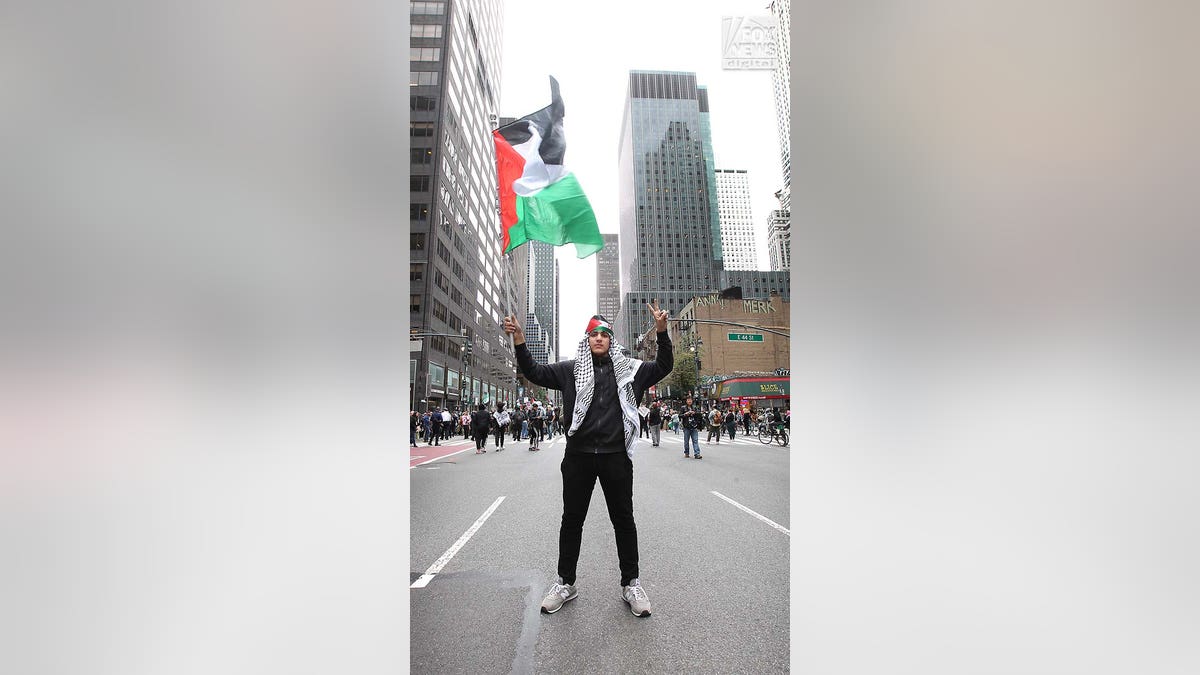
(624,368)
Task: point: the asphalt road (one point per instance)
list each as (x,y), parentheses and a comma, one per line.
(717,576)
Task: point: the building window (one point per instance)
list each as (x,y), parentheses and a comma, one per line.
(439,311)
(425,30)
(418,211)
(414,303)
(416,241)
(416,271)
(421,155)
(418,183)
(427,8)
(440,280)
(443,252)
(436,375)
(425,54)
(420,129)
(422,103)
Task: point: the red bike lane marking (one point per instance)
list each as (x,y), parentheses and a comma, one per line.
(429,453)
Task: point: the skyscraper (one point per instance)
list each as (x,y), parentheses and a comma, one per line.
(670,243)
(543,290)
(779,239)
(737,226)
(781,79)
(608,278)
(461,285)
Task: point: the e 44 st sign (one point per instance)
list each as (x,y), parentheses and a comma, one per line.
(745,337)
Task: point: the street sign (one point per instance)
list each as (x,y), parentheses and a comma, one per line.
(745,337)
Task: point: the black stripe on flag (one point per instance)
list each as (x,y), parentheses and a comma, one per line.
(549,123)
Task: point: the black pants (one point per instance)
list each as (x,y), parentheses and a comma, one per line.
(480,439)
(580,471)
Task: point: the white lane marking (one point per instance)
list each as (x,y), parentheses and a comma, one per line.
(437,566)
(437,458)
(760,517)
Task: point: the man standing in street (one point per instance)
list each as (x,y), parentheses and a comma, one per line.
(435,426)
(480,423)
(714,424)
(600,388)
(447,424)
(692,419)
(654,419)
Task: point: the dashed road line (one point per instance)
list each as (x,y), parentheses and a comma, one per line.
(756,515)
(437,566)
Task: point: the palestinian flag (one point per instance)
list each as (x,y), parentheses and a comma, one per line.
(540,199)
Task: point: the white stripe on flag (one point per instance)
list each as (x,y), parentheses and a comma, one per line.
(537,174)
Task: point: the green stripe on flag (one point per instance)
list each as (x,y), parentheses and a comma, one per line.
(558,214)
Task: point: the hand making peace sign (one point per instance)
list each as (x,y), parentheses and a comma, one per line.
(660,316)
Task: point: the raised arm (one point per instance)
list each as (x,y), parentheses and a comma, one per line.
(665,359)
(541,375)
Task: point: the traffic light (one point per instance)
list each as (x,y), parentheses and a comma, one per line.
(467,351)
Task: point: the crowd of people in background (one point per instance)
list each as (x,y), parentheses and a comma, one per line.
(528,420)
(543,422)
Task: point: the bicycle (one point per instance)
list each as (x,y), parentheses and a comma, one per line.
(776,432)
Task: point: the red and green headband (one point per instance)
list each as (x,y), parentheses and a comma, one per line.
(599,323)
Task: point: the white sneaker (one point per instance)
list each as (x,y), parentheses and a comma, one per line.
(635,596)
(558,594)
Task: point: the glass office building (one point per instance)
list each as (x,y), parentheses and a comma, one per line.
(670,237)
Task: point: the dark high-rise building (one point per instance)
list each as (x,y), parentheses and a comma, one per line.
(461,285)
(608,279)
(670,239)
(543,294)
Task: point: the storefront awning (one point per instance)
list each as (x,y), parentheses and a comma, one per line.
(753,388)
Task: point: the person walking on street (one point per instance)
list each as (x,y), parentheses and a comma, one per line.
(654,419)
(643,423)
(480,423)
(426,426)
(413,421)
(435,426)
(600,389)
(535,427)
(501,418)
(691,418)
(746,420)
(714,424)
(731,422)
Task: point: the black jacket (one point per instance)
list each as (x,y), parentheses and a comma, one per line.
(480,421)
(598,432)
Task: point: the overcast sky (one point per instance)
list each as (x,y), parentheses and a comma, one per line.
(590,53)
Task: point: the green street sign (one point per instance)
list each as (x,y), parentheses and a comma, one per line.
(745,337)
